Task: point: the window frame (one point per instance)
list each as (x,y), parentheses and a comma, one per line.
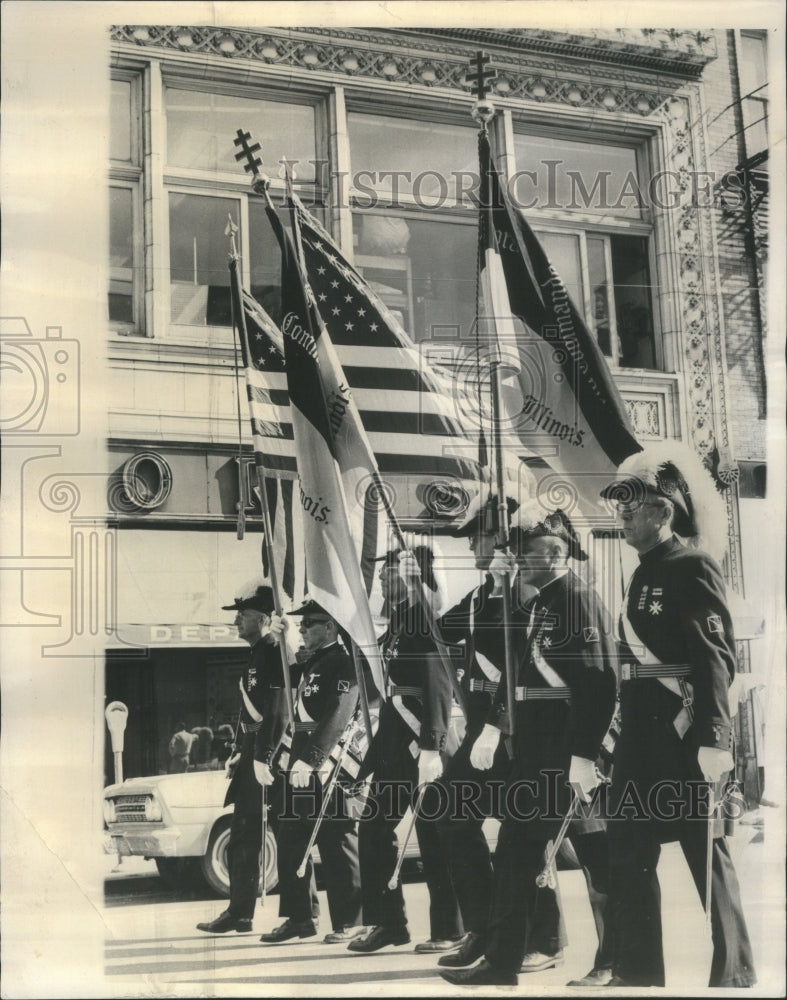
(129,176)
(188,181)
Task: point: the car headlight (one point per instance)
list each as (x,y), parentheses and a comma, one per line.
(109,811)
(152,810)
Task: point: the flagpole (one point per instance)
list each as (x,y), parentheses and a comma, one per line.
(483,112)
(382,494)
(266,519)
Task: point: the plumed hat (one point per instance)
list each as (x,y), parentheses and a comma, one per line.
(673,471)
(426,553)
(555,525)
(254,596)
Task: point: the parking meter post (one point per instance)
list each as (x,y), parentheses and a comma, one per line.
(116,715)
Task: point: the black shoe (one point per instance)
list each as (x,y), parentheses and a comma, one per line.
(536,961)
(379,937)
(482,974)
(290,929)
(471,950)
(225,922)
(596,979)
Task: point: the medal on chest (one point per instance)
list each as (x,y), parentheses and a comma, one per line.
(311,686)
(251,680)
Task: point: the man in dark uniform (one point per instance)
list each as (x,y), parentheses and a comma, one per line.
(263,716)
(408,750)
(472,627)
(565,697)
(327,700)
(677,665)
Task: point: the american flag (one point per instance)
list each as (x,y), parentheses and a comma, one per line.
(411,414)
(266,387)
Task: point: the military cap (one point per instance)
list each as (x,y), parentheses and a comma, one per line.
(311,609)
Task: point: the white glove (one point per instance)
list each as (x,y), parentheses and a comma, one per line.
(262,773)
(231,763)
(300,774)
(430,766)
(409,570)
(483,751)
(714,763)
(278,625)
(502,568)
(583,777)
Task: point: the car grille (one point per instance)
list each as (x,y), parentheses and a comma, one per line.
(130,808)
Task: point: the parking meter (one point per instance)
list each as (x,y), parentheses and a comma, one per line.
(116,715)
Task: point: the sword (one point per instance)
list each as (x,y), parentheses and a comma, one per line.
(323,807)
(264,874)
(394,879)
(712,806)
(546,877)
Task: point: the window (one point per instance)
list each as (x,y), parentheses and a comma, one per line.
(753,68)
(414,226)
(125,173)
(207,186)
(587,203)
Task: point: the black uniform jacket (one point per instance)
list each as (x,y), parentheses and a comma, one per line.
(328,695)
(412,662)
(473,627)
(676,604)
(263,682)
(566,625)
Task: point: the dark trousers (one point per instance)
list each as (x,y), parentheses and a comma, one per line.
(470,797)
(337,840)
(243,862)
(635,901)
(524,918)
(592,851)
(379,846)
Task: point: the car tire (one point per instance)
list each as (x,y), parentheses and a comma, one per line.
(213,863)
(176,873)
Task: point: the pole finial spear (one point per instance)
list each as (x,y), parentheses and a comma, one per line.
(231,230)
(479,77)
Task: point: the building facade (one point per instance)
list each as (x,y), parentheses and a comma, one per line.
(637,156)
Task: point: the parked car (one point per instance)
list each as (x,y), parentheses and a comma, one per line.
(179,821)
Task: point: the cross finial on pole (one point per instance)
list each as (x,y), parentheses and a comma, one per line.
(247,151)
(479,77)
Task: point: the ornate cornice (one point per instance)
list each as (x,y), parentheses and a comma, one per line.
(430,62)
(664,49)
